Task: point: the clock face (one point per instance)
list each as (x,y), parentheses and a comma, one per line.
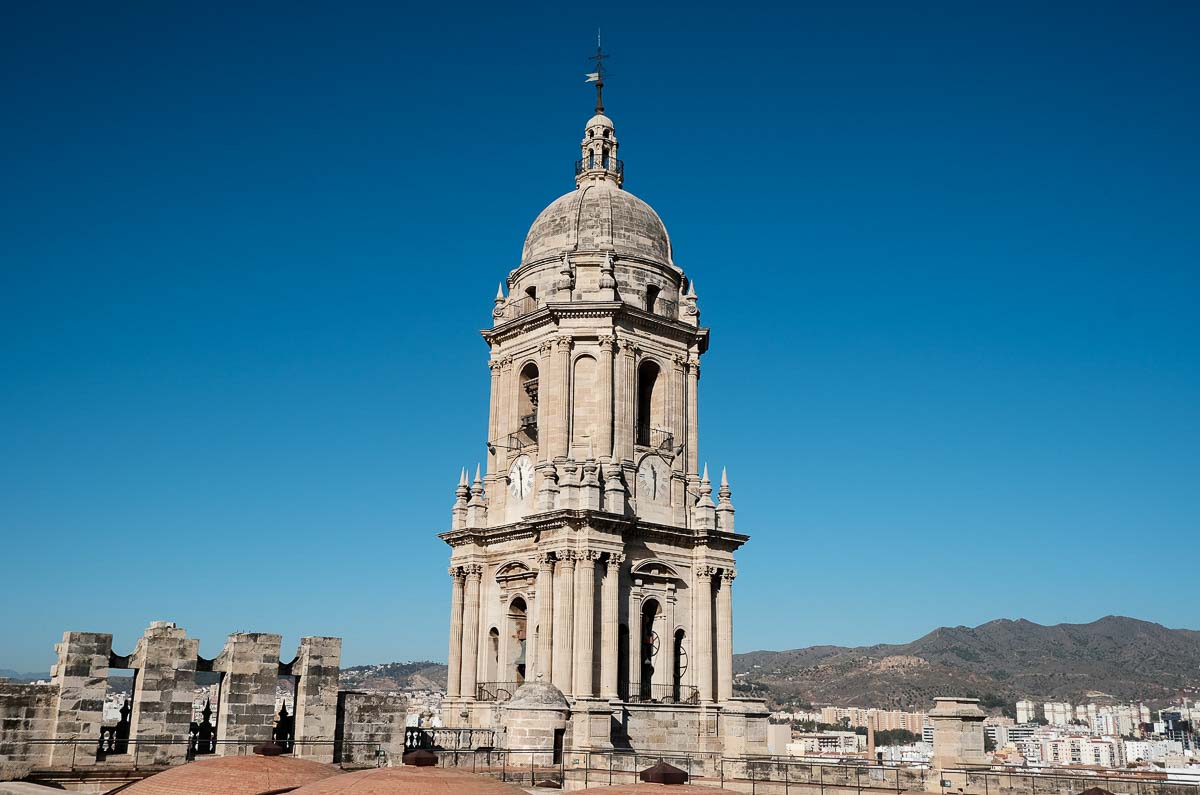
(654,479)
(520,478)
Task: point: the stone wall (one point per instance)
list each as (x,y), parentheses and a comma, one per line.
(654,727)
(367,724)
(26,714)
(81,679)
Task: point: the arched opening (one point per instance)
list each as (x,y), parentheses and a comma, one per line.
(679,666)
(527,403)
(493,654)
(652,291)
(648,650)
(651,404)
(591,159)
(623,662)
(517,621)
(605,155)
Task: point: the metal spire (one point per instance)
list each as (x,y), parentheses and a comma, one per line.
(597,76)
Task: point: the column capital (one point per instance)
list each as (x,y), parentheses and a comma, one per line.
(544,559)
(494,365)
(615,559)
(626,345)
(681,361)
(546,347)
(606,342)
(563,342)
(728,574)
(474,570)
(705,570)
(590,554)
(457,573)
(569,556)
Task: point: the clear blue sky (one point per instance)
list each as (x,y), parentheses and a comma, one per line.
(950,254)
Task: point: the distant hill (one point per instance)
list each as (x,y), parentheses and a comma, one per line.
(422,675)
(22,676)
(1122,658)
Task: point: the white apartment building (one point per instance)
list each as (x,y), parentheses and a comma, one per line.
(1083,750)
(1026,711)
(1058,713)
(826,744)
(1151,750)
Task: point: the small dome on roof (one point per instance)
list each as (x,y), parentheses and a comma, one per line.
(235,775)
(538,694)
(599,120)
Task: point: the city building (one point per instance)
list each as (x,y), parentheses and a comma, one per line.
(833,743)
(1026,711)
(1058,713)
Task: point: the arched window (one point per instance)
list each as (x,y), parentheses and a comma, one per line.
(591,159)
(648,649)
(606,157)
(493,654)
(651,404)
(652,291)
(679,659)
(516,638)
(527,402)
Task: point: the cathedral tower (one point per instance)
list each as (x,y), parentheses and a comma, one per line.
(591,554)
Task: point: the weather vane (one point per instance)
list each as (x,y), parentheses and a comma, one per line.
(597,76)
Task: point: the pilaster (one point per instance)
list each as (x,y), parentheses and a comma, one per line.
(585,601)
(725,635)
(702,610)
(610,594)
(470,632)
(454,665)
(564,611)
(545,627)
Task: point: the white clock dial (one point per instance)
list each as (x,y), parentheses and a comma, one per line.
(654,479)
(520,478)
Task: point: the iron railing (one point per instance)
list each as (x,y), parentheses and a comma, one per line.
(649,693)
(655,438)
(518,307)
(496,691)
(600,164)
(665,307)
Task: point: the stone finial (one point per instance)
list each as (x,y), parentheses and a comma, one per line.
(458,514)
(477,506)
(704,512)
(725,509)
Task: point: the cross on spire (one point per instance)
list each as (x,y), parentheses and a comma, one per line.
(597,76)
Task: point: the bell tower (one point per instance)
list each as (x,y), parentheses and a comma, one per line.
(589,553)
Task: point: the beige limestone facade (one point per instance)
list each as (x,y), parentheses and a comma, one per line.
(590,554)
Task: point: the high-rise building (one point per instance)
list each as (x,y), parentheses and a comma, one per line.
(1026,711)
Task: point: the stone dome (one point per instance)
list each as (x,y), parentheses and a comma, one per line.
(596,216)
(537,695)
(234,775)
(599,120)
(408,781)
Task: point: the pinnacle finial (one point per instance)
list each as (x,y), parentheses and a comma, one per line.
(691,293)
(462,480)
(724,477)
(500,291)
(478,479)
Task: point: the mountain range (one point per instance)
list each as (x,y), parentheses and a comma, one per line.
(1115,657)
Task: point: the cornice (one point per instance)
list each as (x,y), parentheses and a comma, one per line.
(576,518)
(553,312)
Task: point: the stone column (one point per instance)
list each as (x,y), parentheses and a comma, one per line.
(494,420)
(693,418)
(678,413)
(625,378)
(564,612)
(604,393)
(317,666)
(610,594)
(725,636)
(545,620)
(470,631)
(560,393)
(165,660)
(546,406)
(250,664)
(454,664)
(585,605)
(703,612)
